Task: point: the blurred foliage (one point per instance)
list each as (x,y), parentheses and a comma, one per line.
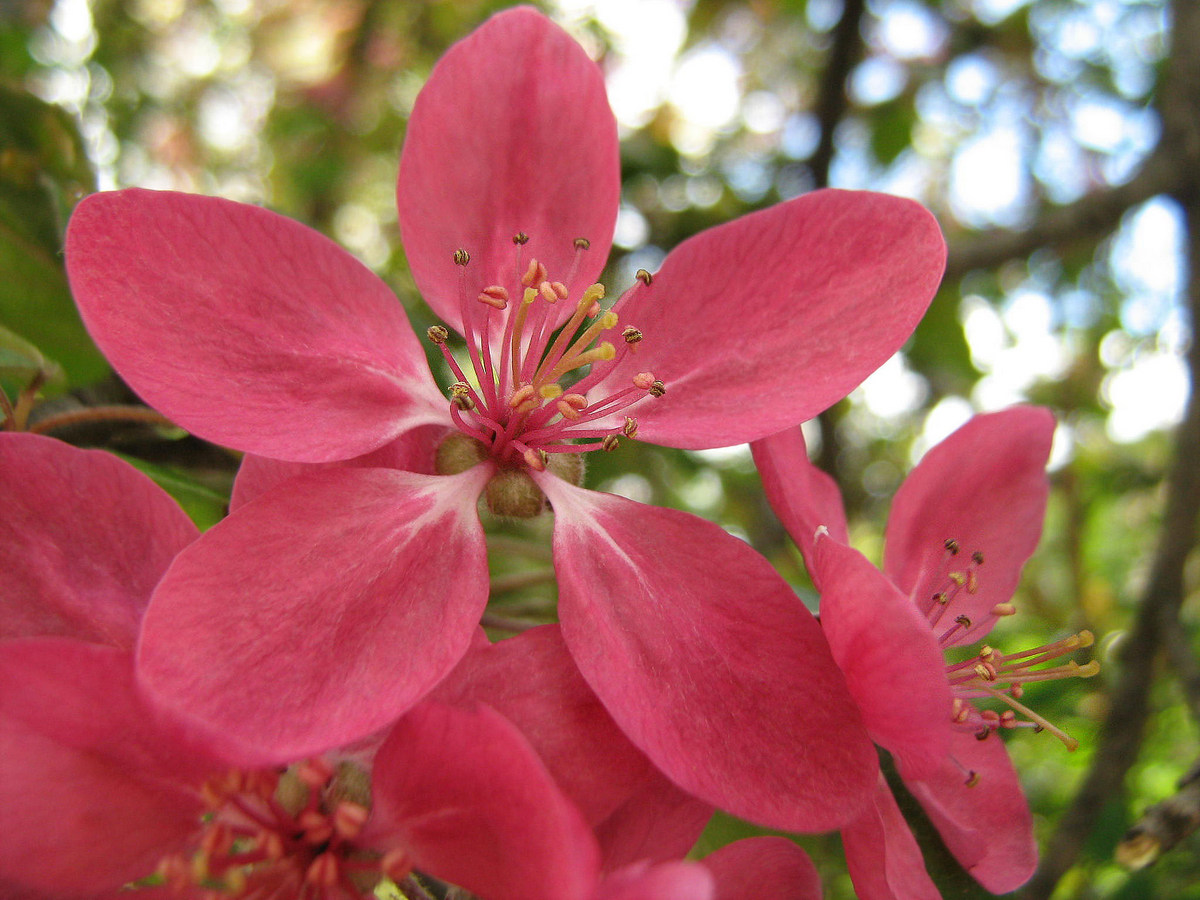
(302,105)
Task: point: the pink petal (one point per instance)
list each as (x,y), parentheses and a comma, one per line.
(891,660)
(532,681)
(83,540)
(464,793)
(984,487)
(95,787)
(882,855)
(708,661)
(759,867)
(803,497)
(677,880)
(245,327)
(657,824)
(320,611)
(761,323)
(987,826)
(512,133)
(413,451)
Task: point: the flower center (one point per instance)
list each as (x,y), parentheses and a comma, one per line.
(524,398)
(990,674)
(283,833)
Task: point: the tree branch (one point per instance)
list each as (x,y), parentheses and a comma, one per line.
(1089,218)
(1120,738)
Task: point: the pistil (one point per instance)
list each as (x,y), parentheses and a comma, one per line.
(516,399)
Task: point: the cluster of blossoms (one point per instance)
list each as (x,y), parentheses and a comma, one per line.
(300,701)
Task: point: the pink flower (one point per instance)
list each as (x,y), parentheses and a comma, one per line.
(322,609)
(100,787)
(961,528)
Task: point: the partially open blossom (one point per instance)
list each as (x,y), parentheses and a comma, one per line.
(326,606)
(961,528)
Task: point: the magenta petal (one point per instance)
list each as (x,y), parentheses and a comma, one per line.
(882,855)
(413,451)
(245,327)
(512,133)
(678,880)
(94,788)
(985,487)
(532,681)
(761,323)
(83,540)
(320,611)
(987,826)
(658,823)
(465,795)
(803,497)
(891,660)
(708,661)
(759,867)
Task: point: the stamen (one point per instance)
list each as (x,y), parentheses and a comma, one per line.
(461,257)
(631,335)
(644,277)
(520,238)
(494,296)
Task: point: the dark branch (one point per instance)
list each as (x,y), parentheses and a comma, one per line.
(832,101)
(1088,219)
(1164,824)
(1120,738)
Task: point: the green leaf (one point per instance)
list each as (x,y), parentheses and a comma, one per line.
(43,173)
(205,505)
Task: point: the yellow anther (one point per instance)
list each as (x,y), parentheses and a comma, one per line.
(592,294)
(437,334)
(461,257)
(972,581)
(601,353)
(535,273)
(973,777)
(520,238)
(494,296)
(631,335)
(582,244)
(978,557)
(520,395)
(535,459)
(550,391)
(349,819)
(234,882)
(609,443)
(958,578)
(952,545)
(644,277)
(630,428)
(657,389)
